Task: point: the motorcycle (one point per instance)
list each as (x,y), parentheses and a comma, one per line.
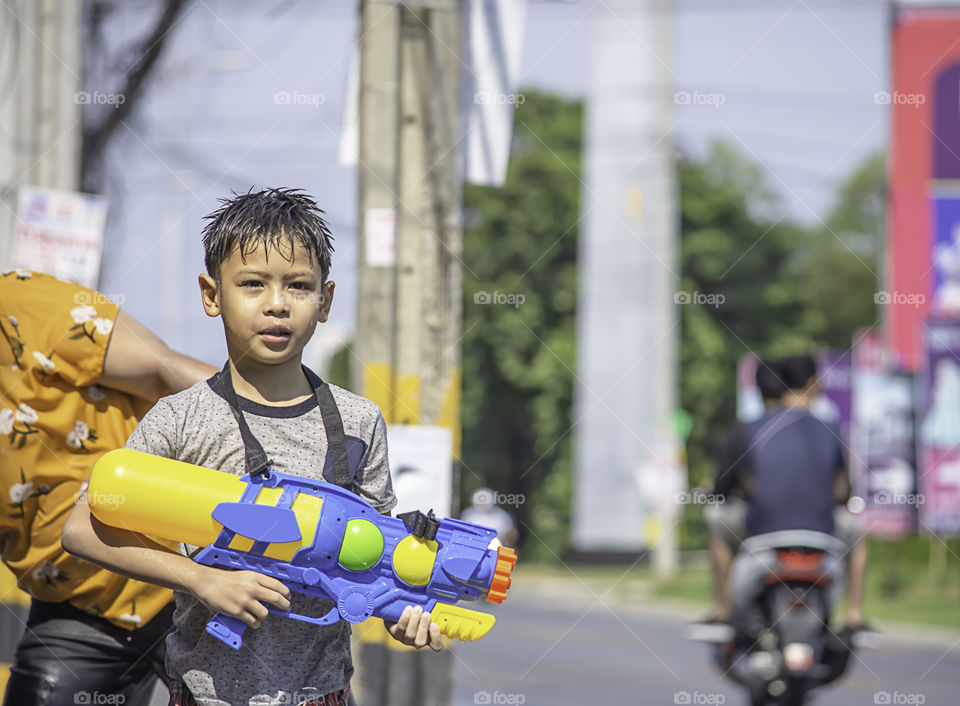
(779,645)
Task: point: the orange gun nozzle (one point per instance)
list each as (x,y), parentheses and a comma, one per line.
(506,560)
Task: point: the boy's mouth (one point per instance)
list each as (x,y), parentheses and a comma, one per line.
(276,334)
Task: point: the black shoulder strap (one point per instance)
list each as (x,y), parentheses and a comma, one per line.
(333,423)
(256,457)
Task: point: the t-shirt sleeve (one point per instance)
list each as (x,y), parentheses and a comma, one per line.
(64,328)
(730,461)
(374,483)
(157,432)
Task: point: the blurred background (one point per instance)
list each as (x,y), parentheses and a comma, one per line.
(565,230)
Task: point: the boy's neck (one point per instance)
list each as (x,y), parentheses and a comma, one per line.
(273,385)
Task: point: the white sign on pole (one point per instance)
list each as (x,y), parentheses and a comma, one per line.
(60,233)
(421,463)
(380,234)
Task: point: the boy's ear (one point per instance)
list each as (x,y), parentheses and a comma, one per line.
(325,301)
(210,294)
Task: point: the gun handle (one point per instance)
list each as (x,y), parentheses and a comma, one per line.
(228,630)
(463,623)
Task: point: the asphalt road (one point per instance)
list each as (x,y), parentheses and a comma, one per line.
(549,649)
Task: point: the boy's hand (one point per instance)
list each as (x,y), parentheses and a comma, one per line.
(239,594)
(415,629)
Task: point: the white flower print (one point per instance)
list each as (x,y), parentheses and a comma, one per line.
(46,571)
(130,618)
(103,326)
(6,421)
(13,321)
(96,393)
(83,313)
(25,414)
(20,492)
(45,362)
(19,272)
(80,433)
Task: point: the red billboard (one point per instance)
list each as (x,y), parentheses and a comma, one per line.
(923,250)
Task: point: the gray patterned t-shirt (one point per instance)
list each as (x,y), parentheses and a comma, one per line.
(284,661)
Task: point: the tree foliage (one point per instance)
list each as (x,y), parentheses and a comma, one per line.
(518,347)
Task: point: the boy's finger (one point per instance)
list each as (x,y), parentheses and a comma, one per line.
(251,620)
(436,639)
(423,631)
(413,625)
(274,585)
(256,609)
(274,598)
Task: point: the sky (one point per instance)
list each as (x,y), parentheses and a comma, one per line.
(791,84)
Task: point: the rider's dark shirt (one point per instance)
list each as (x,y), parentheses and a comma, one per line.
(787,462)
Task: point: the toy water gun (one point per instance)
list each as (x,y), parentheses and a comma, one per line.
(315,537)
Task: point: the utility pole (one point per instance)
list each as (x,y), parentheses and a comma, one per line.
(409,304)
(626,394)
(40,60)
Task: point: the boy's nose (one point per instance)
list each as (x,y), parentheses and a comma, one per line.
(278,301)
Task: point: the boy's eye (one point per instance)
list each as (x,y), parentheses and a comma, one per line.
(251,283)
(304,286)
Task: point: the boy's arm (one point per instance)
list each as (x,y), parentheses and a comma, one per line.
(235,593)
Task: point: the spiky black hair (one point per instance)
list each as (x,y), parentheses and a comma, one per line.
(266,218)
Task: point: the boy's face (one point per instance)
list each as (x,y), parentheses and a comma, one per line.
(270,302)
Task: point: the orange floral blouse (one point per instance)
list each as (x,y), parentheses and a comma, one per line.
(55,422)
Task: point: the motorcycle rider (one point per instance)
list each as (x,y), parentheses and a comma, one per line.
(789,469)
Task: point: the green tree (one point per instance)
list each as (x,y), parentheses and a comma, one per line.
(786,288)
(520,292)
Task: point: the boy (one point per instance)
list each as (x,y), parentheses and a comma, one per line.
(267,259)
